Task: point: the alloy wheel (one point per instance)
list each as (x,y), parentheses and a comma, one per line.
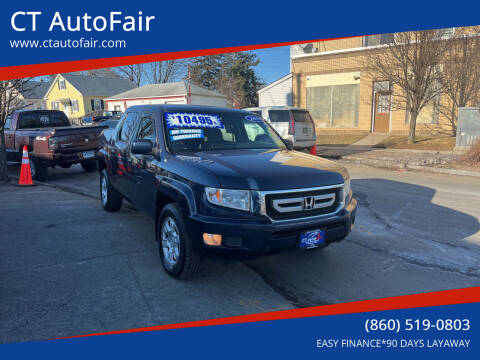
(104,192)
(170,242)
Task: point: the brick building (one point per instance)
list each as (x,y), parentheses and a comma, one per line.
(329,79)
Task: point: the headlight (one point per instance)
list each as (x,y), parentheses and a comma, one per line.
(346,189)
(235,199)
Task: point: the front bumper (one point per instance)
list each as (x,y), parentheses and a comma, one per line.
(240,237)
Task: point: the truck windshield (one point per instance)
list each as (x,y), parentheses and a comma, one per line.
(35,120)
(187,132)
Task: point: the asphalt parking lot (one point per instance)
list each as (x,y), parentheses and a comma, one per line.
(67,267)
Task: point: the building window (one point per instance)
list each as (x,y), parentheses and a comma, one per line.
(61,84)
(97,104)
(55,105)
(74,105)
(117,108)
(334,106)
(429,113)
(383,103)
(379,39)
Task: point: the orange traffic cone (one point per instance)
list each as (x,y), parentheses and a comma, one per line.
(313,150)
(25,174)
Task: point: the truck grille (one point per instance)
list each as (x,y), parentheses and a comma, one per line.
(287,205)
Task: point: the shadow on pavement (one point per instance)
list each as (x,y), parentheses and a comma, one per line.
(410,205)
(73,178)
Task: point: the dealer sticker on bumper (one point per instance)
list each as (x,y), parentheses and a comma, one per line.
(312,239)
(88,154)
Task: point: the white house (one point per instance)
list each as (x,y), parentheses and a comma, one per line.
(168,93)
(278,93)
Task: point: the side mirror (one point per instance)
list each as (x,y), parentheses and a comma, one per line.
(289,144)
(141,147)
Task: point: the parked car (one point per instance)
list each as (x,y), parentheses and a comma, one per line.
(221,182)
(94,120)
(293,124)
(99,117)
(50,140)
(113,114)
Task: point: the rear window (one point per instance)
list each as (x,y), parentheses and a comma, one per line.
(35,120)
(279,115)
(301,116)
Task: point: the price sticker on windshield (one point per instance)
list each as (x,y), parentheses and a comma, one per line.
(186,134)
(254,118)
(191,120)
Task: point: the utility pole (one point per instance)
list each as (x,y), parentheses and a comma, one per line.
(189,95)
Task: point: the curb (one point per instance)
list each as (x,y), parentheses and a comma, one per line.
(446,171)
(395,165)
(374,149)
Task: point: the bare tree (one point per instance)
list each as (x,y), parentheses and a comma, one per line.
(461,76)
(166,71)
(10,100)
(412,62)
(134,72)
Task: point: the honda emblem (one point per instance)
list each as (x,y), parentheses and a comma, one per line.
(308,202)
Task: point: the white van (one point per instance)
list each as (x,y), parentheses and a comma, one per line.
(291,123)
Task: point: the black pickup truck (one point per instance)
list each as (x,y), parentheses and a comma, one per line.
(221,182)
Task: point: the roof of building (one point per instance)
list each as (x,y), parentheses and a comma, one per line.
(163,90)
(99,86)
(35,89)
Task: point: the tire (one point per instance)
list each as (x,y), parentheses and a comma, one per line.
(38,171)
(109,197)
(89,166)
(187,260)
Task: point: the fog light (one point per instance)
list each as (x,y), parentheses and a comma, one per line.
(212,239)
